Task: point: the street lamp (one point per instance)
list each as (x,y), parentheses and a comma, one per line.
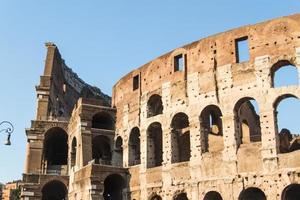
(9,129)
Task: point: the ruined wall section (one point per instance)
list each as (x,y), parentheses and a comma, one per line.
(212,75)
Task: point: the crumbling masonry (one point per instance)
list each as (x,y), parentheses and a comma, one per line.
(182,126)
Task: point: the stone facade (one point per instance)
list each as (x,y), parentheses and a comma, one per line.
(182,126)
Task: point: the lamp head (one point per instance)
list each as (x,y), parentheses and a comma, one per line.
(8,140)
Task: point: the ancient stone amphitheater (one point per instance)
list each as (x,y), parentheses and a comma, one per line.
(183,126)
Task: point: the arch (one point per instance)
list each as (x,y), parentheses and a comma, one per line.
(211,129)
(73,151)
(291,192)
(181,196)
(119,150)
(247,121)
(54,190)
(213,195)
(252,193)
(156,197)
(287,107)
(280,71)
(154,105)
(103,120)
(134,147)
(56,147)
(154,145)
(180,139)
(113,187)
(101,150)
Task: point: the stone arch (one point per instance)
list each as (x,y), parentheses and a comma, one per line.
(288,140)
(291,192)
(247,121)
(73,151)
(155,197)
(119,150)
(154,145)
(113,187)
(180,138)
(252,193)
(56,147)
(212,195)
(101,150)
(134,147)
(211,129)
(292,73)
(54,190)
(103,120)
(154,106)
(181,196)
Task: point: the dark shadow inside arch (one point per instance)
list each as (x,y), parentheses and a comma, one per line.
(252,194)
(103,120)
(156,197)
(212,196)
(134,147)
(101,150)
(291,192)
(283,73)
(154,105)
(211,129)
(154,145)
(181,196)
(247,121)
(180,138)
(73,151)
(54,190)
(287,110)
(119,150)
(113,187)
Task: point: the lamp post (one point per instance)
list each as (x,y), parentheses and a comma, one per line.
(9,128)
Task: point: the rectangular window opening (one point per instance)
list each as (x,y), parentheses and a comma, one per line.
(136,82)
(178,63)
(242,49)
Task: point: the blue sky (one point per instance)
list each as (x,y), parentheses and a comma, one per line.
(101,41)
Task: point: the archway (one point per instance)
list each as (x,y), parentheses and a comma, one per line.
(211,129)
(154,105)
(101,150)
(119,150)
(154,145)
(287,111)
(252,194)
(103,120)
(113,187)
(181,196)
(73,152)
(247,121)
(56,147)
(54,190)
(291,192)
(134,147)
(156,197)
(180,138)
(213,195)
(280,71)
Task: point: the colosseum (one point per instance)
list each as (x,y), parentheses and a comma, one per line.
(183,126)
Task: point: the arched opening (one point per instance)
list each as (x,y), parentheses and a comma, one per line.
(247,121)
(119,150)
(156,197)
(103,120)
(283,73)
(213,195)
(291,192)
(101,150)
(287,111)
(180,139)
(73,152)
(54,190)
(134,147)
(211,129)
(154,145)
(113,187)
(154,105)
(55,148)
(181,196)
(252,193)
